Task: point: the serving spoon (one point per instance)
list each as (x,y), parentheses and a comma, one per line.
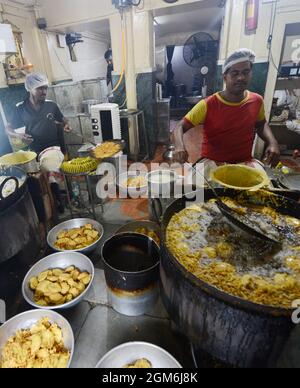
(237,220)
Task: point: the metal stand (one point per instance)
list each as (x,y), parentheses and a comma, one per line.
(68,178)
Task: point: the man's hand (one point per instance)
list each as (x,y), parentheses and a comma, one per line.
(181,156)
(272,156)
(26,139)
(67,128)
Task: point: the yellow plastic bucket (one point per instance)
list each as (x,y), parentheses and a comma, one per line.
(240,177)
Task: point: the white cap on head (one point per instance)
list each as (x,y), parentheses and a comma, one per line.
(239,56)
(34,81)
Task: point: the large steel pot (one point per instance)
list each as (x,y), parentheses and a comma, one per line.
(231,329)
(25,160)
(19,228)
(131,266)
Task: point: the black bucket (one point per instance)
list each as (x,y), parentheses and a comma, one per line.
(131,266)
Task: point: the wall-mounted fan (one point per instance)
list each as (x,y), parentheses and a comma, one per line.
(200,50)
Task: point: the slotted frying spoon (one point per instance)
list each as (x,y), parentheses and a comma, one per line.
(237,220)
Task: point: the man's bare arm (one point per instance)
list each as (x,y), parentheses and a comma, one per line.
(181,154)
(177,136)
(272,156)
(27,139)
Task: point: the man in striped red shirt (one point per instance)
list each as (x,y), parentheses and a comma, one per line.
(231,119)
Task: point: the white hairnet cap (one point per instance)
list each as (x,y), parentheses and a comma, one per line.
(239,56)
(35,80)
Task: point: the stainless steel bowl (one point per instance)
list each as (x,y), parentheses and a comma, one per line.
(28,319)
(76,223)
(132,192)
(31,166)
(63,261)
(131,352)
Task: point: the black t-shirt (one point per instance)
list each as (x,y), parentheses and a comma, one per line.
(40,124)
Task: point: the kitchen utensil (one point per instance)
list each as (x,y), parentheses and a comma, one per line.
(71,224)
(132,191)
(238,220)
(28,319)
(2,312)
(169,155)
(129,353)
(131,267)
(229,328)
(59,261)
(290,181)
(23,159)
(240,177)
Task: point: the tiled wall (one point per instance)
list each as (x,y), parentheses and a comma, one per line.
(146,103)
(9,97)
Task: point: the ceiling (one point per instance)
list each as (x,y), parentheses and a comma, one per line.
(200,16)
(99,27)
(203,15)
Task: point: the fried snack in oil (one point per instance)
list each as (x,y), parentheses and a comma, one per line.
(41,346)
(208,247)
(50,290)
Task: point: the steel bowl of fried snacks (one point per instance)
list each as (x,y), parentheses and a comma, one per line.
(79,235)
(107,149)
(36,339)
(138,355)
(59,281)
(132,184)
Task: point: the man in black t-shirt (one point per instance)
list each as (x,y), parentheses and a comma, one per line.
(43,120)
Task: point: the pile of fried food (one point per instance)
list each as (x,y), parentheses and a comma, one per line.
(136,182)
(57,286)
(77,238)
(143,363)
(149,233)
(39,347)
(106,150)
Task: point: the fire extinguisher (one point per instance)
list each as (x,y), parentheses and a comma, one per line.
(252,11)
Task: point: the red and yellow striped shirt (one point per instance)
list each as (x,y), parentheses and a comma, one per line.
(229,128)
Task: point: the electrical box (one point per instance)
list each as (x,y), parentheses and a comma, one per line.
(42,23)
(7,40)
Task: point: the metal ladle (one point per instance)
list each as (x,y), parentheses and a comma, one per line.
(239,221)
(50,117)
